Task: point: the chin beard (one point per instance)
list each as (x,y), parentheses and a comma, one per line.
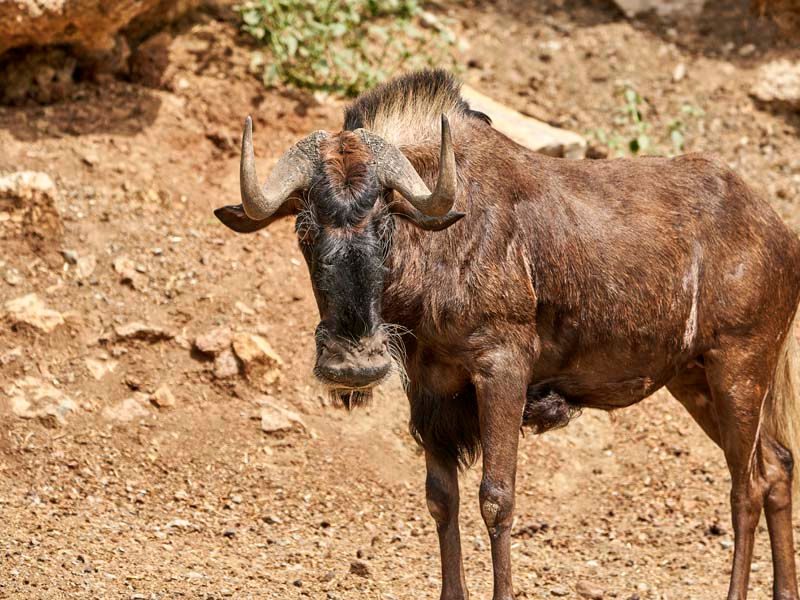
(350,398)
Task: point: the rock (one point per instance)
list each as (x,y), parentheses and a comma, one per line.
(129,409)
(87,24)
(747,50)
(34,194)
(679,72)
(214,341)
(360,568)
(226,365)
(70,256)
(527,131)
(663,8)
(32,311)
(278,419)
(129,275)
(261,363)
(559,591)
(24,186)
(10,356)
(587,590)
(32,398)
(100,367)
(141,331)
(85,266)
(778,84)
(13,277)
(163,397)
(180,524)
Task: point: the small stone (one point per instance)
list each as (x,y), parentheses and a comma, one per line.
(13,277)
(100,367)
(559,591)
(261,362)
(226,365)
(32,311)
(587,590)
(85,266)
(179,524)
(277,419)
(360,568)
(272,520)
(229,533)
(32,398)
(140,331)
(679,72)
(726,544)
(163,397)
(129,275)
(214,341)
(70,256)
(747,50)
(128,410)
(244,309)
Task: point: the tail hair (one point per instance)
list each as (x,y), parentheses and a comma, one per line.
(783,412)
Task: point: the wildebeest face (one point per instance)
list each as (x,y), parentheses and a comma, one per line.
(344,232)
(340,187)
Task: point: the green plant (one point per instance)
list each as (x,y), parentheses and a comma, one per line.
(632,133)
(340,46)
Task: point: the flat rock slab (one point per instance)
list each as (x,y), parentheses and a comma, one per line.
(524,130)
(663,8)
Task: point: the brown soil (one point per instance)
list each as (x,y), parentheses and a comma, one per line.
(195,500)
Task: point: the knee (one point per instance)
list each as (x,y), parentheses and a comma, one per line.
(442,502)
(497,504)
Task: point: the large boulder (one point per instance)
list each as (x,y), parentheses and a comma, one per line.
(90,25)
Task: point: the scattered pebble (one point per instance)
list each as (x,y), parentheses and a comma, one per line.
(587,590)
(163,397)
(214,341)
(360,568)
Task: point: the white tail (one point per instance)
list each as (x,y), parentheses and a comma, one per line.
(783,413)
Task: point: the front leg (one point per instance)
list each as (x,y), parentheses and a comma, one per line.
(501,401)
(441,491)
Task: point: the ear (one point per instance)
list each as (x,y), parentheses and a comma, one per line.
(234,217)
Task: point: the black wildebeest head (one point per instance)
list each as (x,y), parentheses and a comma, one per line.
(340,187)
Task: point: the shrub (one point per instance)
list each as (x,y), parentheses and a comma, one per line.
(341,46)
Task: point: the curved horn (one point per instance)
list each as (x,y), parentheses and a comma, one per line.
(396,172)
(293,171)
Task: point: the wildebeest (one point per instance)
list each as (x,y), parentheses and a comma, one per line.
(524,288)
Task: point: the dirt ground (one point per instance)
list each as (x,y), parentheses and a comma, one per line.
(195,500)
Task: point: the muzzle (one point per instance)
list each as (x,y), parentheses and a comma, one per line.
(353,365)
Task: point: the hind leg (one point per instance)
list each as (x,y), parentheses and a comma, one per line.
(777,465)
(739,381)
(771,476)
